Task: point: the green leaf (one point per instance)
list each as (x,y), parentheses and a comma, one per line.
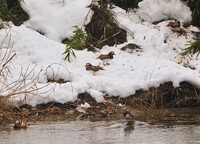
(194,48)
(76,42)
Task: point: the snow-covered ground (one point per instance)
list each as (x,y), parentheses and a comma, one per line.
(40,56)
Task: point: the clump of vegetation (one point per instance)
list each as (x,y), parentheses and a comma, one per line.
(195,8)
(126,4)
(76,42)
(103,28)
(193,48)
(10,10)
(9,91)
(165,96)
(1,26)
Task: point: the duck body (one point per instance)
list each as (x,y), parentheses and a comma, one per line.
(22,122)
(19,124)
(90,67)
(130,47)
(106,57)
(127,114)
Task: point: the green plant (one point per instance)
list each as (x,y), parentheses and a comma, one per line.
(193,48)
(76,42)
(195,8)
(1,26)
(103,29)
(3,9)
(126,4)
(11,11)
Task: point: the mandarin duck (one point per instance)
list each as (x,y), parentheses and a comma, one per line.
(21,123)
(106,57)
(90,67)
(108,110)
(130,47)
(127,114)
(103,113)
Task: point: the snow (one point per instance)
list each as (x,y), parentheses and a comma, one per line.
(56,18)
(85,105)
(39,57)
(157,10)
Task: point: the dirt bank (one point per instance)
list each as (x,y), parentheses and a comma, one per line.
(156,104)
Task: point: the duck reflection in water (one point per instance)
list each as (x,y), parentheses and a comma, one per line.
(129,127)
(128,116)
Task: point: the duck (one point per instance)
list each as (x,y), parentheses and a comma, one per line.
(130,47)
(127,114)
(106,57)
(17,124)
(93,69)
(23,122)
(107,112)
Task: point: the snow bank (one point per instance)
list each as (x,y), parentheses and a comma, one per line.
(156,10)
(156,63)
(56,18)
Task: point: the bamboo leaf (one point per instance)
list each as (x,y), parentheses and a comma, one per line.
(76,42)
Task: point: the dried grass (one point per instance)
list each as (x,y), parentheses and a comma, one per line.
(24,86)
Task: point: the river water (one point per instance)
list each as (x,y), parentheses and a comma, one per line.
(101,132)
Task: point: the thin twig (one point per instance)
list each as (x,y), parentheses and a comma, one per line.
(9,60)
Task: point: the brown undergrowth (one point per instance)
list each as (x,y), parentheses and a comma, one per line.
(156,103)
(159,103)
(103,28)
(166,96)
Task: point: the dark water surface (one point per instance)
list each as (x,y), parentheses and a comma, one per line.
(101,132)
